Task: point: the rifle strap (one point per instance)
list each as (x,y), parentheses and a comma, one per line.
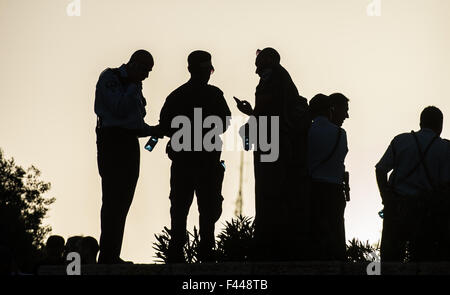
(422,155)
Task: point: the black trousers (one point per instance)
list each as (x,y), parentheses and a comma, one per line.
(204,176)
(415,229)
(118,163)
(328,206)
(282,215)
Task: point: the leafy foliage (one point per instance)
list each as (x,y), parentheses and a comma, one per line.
(358,251)
(236,240)
(190,249)
(23,207)
(235,243)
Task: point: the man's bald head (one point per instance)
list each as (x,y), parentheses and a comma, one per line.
(141,56)
(140,64)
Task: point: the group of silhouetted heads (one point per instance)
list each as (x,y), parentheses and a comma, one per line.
(56,249)
(199,64)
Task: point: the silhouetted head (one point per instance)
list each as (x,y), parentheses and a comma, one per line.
(55,246)
(320,105)
(339,103)
(200,66)
(89,250)
(432,118)
(73,244)
(266,60)
(139,65)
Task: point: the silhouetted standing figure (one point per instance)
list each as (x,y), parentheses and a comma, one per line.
(120,108)
(415,202)
(194,167)
(327,149)
(339,114)
(281,191)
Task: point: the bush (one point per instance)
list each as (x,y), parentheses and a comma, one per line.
(235,243)
(22,210)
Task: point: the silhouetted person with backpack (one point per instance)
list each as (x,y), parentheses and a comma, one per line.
(416,205)
(196,167)
(120,108)
(327,149)
(281,191)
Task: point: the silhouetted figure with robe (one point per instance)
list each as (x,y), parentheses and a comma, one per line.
(281,190)
(195,166)
(327,149)
(416,197)
(120,108)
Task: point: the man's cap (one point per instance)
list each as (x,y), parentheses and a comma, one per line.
(319,103)
(200,59)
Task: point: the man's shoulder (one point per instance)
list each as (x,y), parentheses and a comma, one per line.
(402,137)
(108,75)
(179,91)
(214,89)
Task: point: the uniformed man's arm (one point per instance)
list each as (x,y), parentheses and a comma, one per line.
(223,110)
(148,130)
(382,168)
(166,116)
(115,98)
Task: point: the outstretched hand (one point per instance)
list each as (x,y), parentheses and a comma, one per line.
(244,106)
(154,131)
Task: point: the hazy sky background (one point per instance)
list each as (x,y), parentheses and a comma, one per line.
(391,67)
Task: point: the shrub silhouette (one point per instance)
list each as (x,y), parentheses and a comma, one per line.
(358,251)
(23,207)
(235,243)
(190,249)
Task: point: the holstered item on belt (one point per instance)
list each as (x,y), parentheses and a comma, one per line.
(99,122)
(347,186)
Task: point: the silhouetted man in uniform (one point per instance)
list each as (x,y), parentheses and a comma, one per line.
(327,149)
(339,105)
(195,167)
(120,107)
(281,196)
(415,212)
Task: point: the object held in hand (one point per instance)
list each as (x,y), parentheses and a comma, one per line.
(151,143)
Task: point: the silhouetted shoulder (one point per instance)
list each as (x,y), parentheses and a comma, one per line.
(106,73)
(177,93)
(108,78)
(401,137)
(215,90)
